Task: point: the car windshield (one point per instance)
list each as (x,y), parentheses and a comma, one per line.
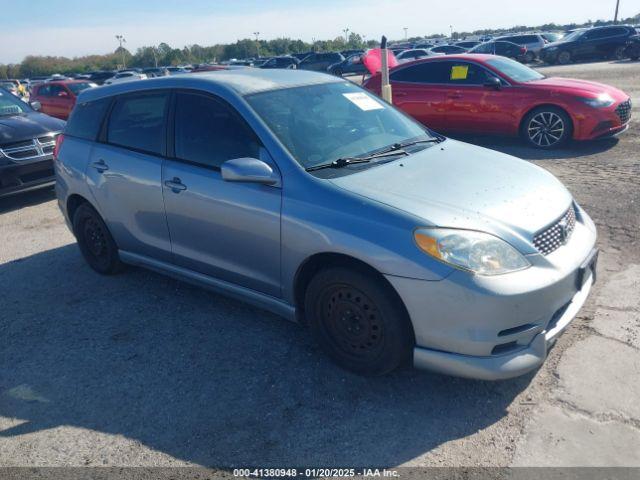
(321,123)
(514,70)
(572,36)
(552,37)
(76,88)
(10,105)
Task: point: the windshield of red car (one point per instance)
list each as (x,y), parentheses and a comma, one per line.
(76,88)
(514,70)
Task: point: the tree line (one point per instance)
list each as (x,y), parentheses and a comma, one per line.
(165,55)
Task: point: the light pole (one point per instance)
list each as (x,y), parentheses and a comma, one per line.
(346,35)
(405,33)
(257,34)
(451,32)
(615,18)
(122,40)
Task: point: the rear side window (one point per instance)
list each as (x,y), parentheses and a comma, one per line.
(138,122)
(208,132)
(428,72)
(86,119)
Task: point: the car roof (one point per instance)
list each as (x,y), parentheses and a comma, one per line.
(477,57)
(66,82)
(242,82)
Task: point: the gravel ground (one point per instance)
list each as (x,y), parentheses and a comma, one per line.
(141,370)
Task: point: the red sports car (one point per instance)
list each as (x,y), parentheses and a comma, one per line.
(495,95)
(58,98)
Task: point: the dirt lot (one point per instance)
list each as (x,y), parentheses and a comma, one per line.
(140,369)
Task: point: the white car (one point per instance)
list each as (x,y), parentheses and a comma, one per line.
(125,77)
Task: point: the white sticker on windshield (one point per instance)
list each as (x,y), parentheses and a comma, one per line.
(363,101)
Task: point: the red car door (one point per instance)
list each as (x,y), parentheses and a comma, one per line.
(42,95)
(61,101)
(419,91)
(479,102)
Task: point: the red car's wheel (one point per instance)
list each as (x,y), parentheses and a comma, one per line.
(546,127)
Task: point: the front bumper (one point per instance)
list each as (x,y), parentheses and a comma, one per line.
(510,365)
(24,177)
(498,327)
(596,123)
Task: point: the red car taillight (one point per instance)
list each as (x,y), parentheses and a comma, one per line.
(56,149)
(523,49)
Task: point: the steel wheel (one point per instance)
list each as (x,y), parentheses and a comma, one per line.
(95,238)
(95,241)
(352,322)
(359,321)
(546,129)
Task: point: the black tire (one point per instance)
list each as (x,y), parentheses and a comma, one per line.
(564,57)
(529,57)
(337,72)
(95,241)
(546,127)
(619,53)
(359,323)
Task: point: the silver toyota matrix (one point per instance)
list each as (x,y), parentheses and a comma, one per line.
(305,195)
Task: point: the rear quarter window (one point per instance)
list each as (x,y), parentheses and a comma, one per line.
(86,119)
(137,122)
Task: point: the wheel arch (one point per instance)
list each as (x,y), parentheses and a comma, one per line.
(73,202)
(526,113)
(319,261)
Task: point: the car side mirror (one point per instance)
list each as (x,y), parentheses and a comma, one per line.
(248,170)
(37,106)
(493,82)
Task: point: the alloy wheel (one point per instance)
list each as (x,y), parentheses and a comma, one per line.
(546,129)
(564,57)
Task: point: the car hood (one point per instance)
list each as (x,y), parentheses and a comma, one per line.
(15,128)
(573,85)
(458,185)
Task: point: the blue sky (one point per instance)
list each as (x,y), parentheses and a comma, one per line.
(79,27)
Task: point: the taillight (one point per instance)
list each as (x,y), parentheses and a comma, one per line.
(523,49)
(56,149)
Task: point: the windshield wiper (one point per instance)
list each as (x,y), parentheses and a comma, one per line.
(415,142)
(344,161)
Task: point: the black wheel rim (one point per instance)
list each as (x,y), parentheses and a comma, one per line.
(95,239)
(546,129)
(352,322)
(564,57)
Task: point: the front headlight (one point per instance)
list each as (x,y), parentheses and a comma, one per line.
(601,101)
(469,250)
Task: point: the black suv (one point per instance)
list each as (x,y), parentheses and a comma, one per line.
(99,77)
(632,49)
(588,44)
(27,140)
(506,49)
(281,62)
(319,62)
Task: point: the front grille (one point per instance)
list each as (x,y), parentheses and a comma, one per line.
(556,235)
(33,149)
(624,111)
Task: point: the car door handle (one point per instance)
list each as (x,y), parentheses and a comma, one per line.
(399,94)
(454,95)
(100,166)
(175,185)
